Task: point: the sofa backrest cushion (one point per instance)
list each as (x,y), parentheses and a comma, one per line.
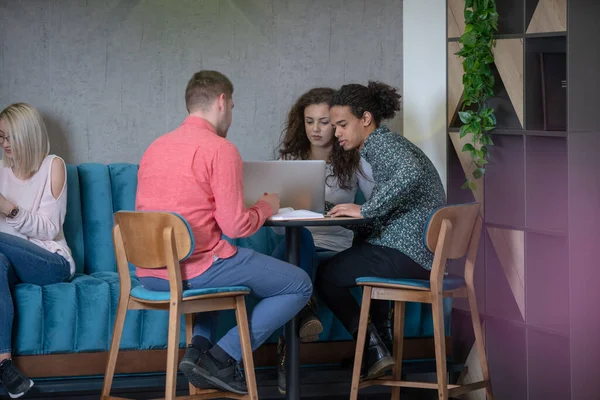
(95,192)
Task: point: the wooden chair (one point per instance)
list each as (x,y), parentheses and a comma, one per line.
(451,232)
(153,240)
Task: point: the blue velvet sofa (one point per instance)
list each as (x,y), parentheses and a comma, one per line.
(77,317)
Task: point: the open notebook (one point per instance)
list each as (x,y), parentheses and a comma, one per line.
(289,213)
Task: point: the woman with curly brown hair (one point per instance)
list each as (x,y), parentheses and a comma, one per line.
(309,135)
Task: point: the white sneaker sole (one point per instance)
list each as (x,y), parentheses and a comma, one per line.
(16,396)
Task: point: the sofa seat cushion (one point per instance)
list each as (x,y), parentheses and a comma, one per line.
(63,317)
(78,316)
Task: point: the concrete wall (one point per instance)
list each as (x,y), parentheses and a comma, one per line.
(109,76)
(425,78)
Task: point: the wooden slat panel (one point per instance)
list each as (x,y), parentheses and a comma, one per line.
(456,18)
(508,56)
(510,248)
(549,16)
(472,373)
(467,164)
(455,74)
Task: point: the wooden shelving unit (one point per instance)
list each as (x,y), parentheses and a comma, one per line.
(523,268)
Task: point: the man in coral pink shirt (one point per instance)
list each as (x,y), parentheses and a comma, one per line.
(196,172)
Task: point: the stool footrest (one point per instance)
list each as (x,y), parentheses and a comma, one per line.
(454,390)
(210,394)
(468,388)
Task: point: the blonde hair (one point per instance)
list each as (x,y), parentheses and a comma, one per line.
(28,138)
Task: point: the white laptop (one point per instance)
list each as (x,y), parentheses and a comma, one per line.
(299,183)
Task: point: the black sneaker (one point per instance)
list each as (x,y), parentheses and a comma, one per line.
(224,376)
(187,364)
(13,380)
(281,365)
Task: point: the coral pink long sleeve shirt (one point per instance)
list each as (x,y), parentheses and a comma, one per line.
(196,173)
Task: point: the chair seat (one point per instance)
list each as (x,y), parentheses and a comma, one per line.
(139,292)
(451,282)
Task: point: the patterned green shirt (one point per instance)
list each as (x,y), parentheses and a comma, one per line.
(407,189)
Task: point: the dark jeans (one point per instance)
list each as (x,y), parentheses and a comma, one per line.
(336,277)
(23,261)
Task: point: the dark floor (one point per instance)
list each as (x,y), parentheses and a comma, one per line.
(317,383)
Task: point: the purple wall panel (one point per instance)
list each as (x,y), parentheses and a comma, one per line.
(504,185)
(547,282)
(546,183)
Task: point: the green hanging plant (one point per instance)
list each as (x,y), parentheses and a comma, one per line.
(481,22)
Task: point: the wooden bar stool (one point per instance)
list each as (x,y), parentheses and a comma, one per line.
(451,232)
(155,240)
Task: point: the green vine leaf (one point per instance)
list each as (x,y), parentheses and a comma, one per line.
(478,173)
(468,147)
(464,130)
(465,116)
(477,117)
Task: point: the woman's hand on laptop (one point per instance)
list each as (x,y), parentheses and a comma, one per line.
(345,210)
(273,200)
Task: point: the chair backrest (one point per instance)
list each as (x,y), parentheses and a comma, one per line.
(451,232)
(462,219)
(143,237)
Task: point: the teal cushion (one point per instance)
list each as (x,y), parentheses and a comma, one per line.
(63,317)
(140,292)
(359,198)
(123,185)
(451,282)
(97,213)
(73,226)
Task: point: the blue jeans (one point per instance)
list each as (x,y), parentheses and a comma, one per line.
(310,256)
(23,261)
(283,288)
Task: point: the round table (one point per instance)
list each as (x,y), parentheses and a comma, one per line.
(292,238)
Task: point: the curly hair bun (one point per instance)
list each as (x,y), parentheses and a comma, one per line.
(386,98)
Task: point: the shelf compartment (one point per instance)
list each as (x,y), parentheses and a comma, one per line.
(545,83)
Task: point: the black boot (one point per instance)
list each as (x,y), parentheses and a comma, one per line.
(281,365)
(385,329)
(376,357)
(310,324)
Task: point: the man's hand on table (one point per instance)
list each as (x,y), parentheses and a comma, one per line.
(345,210)
(273,200)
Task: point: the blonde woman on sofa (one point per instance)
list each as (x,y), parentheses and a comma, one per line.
(33,204)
